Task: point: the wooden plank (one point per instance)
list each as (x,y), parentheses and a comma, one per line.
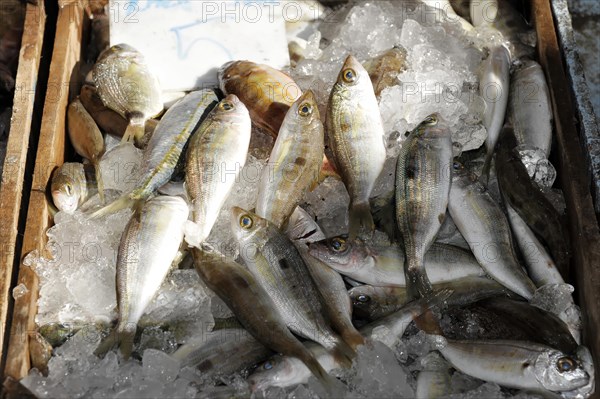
(65,55)
(583,227)
(13,171)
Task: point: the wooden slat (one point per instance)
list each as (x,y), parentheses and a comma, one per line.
(13,172)
(65,55)
(583,227)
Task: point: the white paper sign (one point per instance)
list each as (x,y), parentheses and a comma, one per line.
(186,41)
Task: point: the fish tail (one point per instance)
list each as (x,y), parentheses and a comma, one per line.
(343,353)
(485,173)
(319,372)
(135,129)
(109,342)
(99,182)
(417,282)
(360,216)
(122,202)
(353,338)
(126,334)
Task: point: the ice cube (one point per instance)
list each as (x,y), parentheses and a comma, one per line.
(19,291)
(538,167)
(329,203)
(120,167)
(554,298)
(159,366)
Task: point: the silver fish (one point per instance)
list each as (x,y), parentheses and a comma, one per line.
(278,267)
(384,265)
(69,187)
(162,153)
(494,88)
(216,154)
(423,178)
(126,85)
(234,285)
(434,380)
(515,364)
(148,246)
(295,161)
(372,303)
(356,138)
(529,107)
(486,229)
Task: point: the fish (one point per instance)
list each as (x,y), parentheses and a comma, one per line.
(514,364)
(86,138)
(302,228)
(69,187)
(278,267)
(530,108)
(494,84)
(148,246)
(235,285)
(110,121)
(285,371)
(216,154)
(383,265)
(40,351)
(356,139)
(372,303)
(485,227)
(434,380)
(126,85)
(267,92)
(162,153)
(385,68)
(541,325)
(529,202)
(450,15)
(540,265)
(423,179)
(295,161)
(221,352)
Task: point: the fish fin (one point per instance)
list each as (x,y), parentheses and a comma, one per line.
(343,353)
(126,334)
(99,182)
(135,129)
(122,202)
(107,344)
(353,338)
(327,381)
(360,216)
(417,282)
(427,320)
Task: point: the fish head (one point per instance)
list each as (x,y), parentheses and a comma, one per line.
(65,191)
(232,110)
(277,371)
(557,371)
(305,110)
(353,77)
(338,252)
(433,126)
(246,224)
(364,300)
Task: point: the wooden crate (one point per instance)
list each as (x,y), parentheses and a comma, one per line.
(13,172)
(583,227)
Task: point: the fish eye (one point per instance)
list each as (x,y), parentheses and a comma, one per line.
(267,366)
(305,109)
(456,165)
(338,244)
(246,222)
(226,106)
(362,298)
(566,364)
(431,120)
(349,75)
